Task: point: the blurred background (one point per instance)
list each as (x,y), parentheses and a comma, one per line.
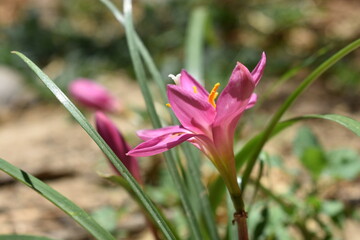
(71,39)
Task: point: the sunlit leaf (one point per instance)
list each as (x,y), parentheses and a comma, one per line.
(75,212)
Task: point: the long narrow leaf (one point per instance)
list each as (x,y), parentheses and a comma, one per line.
(351,124)
(200,192)
(101,143)
(291,73)
(142,50)
(191,158)
(217,190)
(75,212)
(194,43)
(169,155)
(289,101)
(119,180)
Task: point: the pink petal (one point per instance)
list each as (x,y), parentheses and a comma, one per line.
(232,102)
(117,143)
(159,144)
(235,97)
(93,95)
(259,69)
(148,134)
(252,101)
(188,82)
(193,111)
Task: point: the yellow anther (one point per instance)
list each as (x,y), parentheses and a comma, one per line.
(213,94)
(168,105)
(195,89)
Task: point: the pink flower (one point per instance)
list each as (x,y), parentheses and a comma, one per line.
(93,95)
(108,131)
(207,124)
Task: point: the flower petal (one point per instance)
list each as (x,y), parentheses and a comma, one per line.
(108,131)
(188,82)
(93,95)
(159,144)
(232,102)
(147,134)
(235,97)
(193,111)
(259,69)
(252,101)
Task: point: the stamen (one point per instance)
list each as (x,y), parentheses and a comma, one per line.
(213,94)
(195,89)
(176,134)
(176,78)
(168,105)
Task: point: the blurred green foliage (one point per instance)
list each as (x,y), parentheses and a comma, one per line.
(306,210)
(90,41)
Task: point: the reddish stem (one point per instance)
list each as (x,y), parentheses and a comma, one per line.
(240,219)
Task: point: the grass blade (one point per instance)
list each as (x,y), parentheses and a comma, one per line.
(289,101)
(351,124)
(217,190)
(155,73)
(291,73)
(194,43)
(200,191)
(169,155)
(101,143)
(75,212)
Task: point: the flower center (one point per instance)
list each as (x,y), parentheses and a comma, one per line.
(213,95)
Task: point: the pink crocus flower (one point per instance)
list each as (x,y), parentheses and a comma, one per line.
(108,131)
(207,124)
(93,95)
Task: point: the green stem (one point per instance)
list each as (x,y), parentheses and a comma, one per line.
(240,214)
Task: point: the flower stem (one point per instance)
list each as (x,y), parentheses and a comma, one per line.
(240,215)
(240,219)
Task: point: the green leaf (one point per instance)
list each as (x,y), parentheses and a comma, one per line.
(119,180)
(351,124)
(79,117)
(291,73)
(205,206)
(217,188)
(194,43)
(169,155)
(314,160)
(332,208)
(343,163)
(106,217)
(304,139)
(289,101)
(75,212)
